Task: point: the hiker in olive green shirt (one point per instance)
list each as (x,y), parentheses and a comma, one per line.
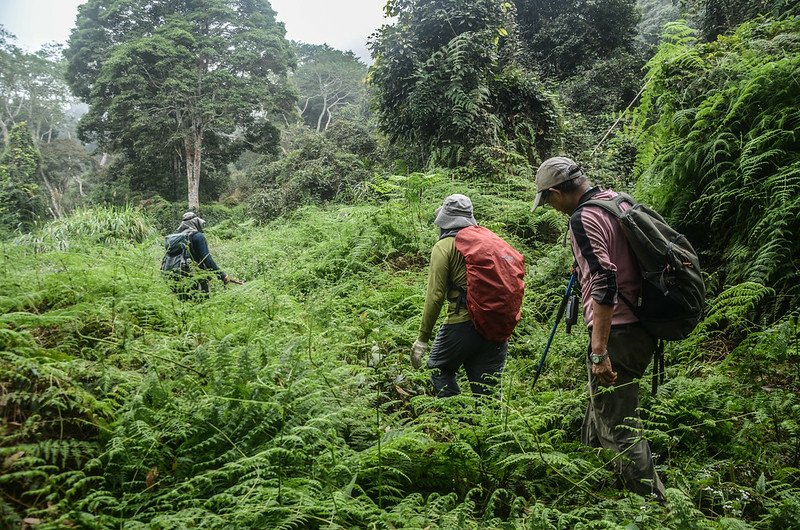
(457,343)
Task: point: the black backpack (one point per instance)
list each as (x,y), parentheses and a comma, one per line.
(177,259)
(673,293)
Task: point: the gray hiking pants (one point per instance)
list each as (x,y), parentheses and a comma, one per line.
(460,344)
(612,417)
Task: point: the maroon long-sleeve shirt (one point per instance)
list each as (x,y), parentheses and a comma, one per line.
(606,264)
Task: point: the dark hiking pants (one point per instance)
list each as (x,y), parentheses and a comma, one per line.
(612,416)
(459,345)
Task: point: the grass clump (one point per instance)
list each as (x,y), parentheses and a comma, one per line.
(99,225)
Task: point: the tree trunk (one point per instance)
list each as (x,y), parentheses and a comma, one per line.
(55,197)
(324,95)
(79,181)
(177,174)
(194,146)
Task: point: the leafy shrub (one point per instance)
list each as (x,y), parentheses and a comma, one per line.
(314,173)
(719,155)
(353,133)
(167,215)
(101,225)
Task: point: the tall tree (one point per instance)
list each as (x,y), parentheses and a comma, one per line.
(587,49)
(565,36)
(20,201)
(327,79)
(450,86)
(32,88)
(179,81)
(64,165)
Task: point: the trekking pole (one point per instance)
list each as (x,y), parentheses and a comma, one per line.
(559,314)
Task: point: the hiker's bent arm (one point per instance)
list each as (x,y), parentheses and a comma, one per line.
(438,275)
(202,256)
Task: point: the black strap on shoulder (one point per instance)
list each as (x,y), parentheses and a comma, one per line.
(462,293)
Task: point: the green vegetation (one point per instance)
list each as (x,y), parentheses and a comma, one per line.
(289,401)
(20,200)
(719,151)
(166,89)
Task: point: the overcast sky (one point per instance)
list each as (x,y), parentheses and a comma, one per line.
(342,24)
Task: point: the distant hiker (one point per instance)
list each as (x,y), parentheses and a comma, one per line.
(620,349)
(480,316)
(187,244)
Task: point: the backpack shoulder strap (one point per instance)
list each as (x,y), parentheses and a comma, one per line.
(612,206)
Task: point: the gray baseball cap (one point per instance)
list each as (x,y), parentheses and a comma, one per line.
(553,172)
(455,212)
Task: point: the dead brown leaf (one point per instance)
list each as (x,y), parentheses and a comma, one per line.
(10,459)
(151,477)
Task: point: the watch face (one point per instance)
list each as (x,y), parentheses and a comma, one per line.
(597,359)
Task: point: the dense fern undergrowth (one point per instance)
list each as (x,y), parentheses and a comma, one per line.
(289,401)
(719,150)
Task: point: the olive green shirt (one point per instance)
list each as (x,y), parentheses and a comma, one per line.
(447,268)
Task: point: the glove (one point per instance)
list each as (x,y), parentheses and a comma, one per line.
(418,349)
(230,279)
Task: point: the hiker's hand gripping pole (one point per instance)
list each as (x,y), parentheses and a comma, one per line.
(559,314)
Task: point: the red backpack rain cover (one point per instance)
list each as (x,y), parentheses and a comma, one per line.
(495,285)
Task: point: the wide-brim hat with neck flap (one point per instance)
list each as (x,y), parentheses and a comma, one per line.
(191,221)
(455,212)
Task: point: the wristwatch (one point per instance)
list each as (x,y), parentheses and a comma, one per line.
(598,358)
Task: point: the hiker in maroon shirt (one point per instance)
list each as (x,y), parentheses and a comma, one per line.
(620,349)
